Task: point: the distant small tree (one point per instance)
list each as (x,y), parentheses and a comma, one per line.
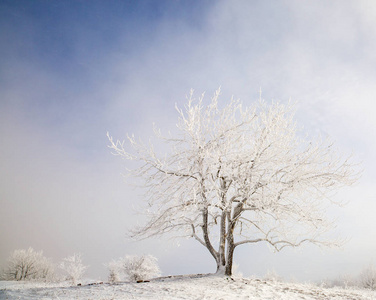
(140,268)
(28,265)
(367,278)
(347,280)
(73,266)
(238,175)
(272,275)
(115,270)
(236,271)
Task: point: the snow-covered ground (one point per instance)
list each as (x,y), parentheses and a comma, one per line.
(181,287)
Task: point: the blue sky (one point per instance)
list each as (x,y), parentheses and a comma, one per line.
(72,70)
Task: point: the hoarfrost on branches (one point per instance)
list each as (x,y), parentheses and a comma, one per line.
(140,268)
(367,278)
(238,175)
(134,268)
(74,268)
(115,271)
(28,265)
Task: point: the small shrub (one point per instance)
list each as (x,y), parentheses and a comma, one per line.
(236,271)
(272,275)
(115,270)
(74,267)
(367,278)
(344,281)
(140,268)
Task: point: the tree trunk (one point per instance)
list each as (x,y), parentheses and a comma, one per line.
(230,245)
(222,241)
(208,244)
(230,256)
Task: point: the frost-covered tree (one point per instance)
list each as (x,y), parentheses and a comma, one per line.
(28,265)
(367,278)
(133,267)
(237,175)
(272,275)
(115,270)
(139,268)
(74,267)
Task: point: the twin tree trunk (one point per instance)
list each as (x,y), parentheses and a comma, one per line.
(224,255)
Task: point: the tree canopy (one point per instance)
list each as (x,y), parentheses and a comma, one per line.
(236,175)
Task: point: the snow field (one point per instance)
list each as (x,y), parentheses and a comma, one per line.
(183,287)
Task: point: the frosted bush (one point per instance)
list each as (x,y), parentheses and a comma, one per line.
(272,275)
(28,265)
(139,268)
(73,266)
(343,281)
(115,270)
(236,271)
(367,278)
